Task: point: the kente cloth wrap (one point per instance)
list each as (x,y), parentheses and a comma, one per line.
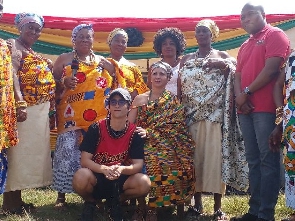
(81,106)
(133,76)
(113,150)
(36,80)
(168,151)
(289,118)
(8,126)
(213,101)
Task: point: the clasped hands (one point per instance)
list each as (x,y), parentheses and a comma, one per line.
(113,172)
(243,104)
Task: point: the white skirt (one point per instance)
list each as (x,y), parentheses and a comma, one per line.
(29,163)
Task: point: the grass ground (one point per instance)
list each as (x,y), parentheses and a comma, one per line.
(44,199)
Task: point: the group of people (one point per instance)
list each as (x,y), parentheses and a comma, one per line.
(200,122)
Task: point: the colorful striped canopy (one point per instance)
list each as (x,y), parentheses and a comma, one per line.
(55,38)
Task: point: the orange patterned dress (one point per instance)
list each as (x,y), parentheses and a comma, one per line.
(30,160)
(78,108)
(8,128)
(133,76)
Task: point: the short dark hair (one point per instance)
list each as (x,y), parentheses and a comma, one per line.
(170,32)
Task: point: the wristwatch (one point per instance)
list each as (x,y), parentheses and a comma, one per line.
(247,91)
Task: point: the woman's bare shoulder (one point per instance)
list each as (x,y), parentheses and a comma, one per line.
(141,99)
(65,58)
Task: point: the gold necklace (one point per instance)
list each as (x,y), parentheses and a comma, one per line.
(88,63)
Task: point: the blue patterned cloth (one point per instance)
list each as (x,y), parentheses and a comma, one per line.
(3,170)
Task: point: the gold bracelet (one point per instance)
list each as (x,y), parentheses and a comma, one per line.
(279,111)
(279,120)
(21,104)
(279,115)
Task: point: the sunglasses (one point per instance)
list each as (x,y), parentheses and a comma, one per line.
(115,102)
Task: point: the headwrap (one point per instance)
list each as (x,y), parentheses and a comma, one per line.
(115,32)
(78,28)
(24,18)
(163,65)
(211,26)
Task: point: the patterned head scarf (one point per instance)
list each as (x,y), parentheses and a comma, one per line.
(24,18)
(163,65)
(115,32)
(211,26)
(78,28)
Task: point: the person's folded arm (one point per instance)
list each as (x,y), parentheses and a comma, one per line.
(135,167)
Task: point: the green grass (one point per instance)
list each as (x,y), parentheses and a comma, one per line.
(44,199)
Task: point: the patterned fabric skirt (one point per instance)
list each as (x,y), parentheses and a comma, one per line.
(171,174)
(3,170)
(66,160)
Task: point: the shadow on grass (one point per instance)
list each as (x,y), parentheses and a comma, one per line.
(73,212)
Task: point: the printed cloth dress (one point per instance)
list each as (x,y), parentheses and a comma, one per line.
(30,163)
(289,131)
(77,109)
(211,116)
(168,151)
(8,126)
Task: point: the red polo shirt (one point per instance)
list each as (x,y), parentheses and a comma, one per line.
(269,42)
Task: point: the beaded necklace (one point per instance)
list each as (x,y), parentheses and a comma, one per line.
(88,63)
(156,101)
(199,61)
(30,50)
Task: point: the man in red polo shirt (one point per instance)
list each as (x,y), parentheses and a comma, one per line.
(258,63)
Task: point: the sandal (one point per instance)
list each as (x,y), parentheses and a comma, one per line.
(138,215)
(219,215)
(151,215)
(60,204)
(195,211)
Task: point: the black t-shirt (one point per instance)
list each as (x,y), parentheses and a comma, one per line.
(90,141)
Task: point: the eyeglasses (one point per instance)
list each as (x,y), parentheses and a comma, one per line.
(121,103)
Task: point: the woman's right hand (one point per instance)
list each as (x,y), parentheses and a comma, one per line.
(70,82)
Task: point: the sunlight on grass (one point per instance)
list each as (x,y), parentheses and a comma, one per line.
(44,199)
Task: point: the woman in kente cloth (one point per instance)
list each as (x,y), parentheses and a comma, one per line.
(169,147)
(81,99)
(30,161)
(117,41)
(10,104)
(284,97)
(206,91)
